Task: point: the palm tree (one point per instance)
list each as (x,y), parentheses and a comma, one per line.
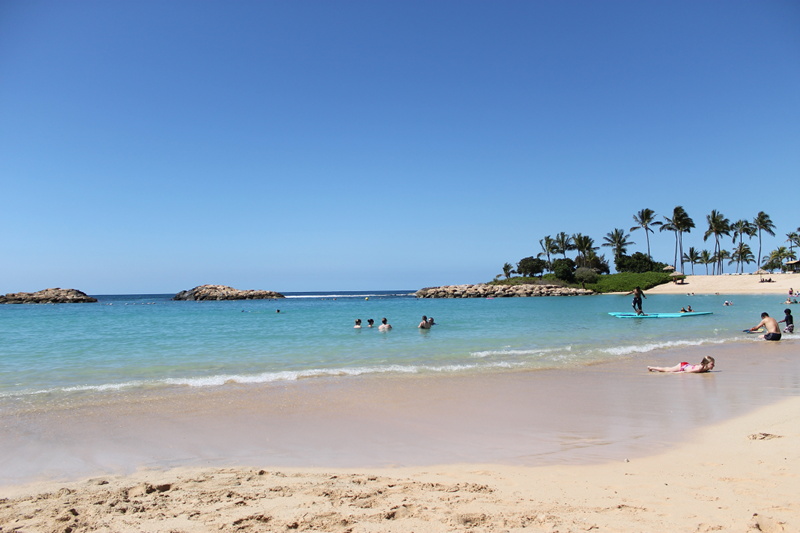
(717,225)
(618,240)
(706,258)
(793,238)
(644,219)
(742,254)
(692,257)
(680,223)
(720,257)
(583,244)
(548,247)
(563,244)
(776,258)
(508,269)
(740,228)
(762,222)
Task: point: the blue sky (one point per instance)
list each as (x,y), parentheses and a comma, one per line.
(155,146)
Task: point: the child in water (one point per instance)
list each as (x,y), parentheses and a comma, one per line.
(706,365)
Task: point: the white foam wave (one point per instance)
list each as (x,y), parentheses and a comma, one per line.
(266,377)
(520,353)
(649,347)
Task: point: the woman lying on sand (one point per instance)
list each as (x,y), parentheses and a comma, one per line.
(705,365)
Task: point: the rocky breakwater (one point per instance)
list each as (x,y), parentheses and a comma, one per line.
(223,292)
(47,296)
(499,291)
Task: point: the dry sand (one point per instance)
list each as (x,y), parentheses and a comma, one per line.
(741,475)
(732,284)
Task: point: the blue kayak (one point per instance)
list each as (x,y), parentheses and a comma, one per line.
(660,315)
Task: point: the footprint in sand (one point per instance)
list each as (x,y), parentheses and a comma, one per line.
(765,524)
(763,436)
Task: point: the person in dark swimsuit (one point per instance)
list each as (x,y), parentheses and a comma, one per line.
(638,294)
(789,321)
(773,330)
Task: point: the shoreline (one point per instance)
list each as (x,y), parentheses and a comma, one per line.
(742,474)
(400,420)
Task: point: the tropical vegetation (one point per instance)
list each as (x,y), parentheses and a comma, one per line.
(552,262)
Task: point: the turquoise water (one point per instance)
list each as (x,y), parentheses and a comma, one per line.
(130,342)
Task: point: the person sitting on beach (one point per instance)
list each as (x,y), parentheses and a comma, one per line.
(706,365)
(773,330)
(370,323)
(358,324)
(789,319)
(385,326)
(424,324)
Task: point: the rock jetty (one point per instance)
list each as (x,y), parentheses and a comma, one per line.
(499,291)
(223,292)
(47,296)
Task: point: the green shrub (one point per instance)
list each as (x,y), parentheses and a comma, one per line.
(627,281)
(586,276)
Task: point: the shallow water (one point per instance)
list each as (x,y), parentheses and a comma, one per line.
(136,382)
(52,352)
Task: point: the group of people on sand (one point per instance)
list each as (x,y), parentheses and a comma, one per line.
(385,326)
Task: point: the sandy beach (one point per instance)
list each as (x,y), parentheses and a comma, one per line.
(607,447)
(740,475)
(732,284)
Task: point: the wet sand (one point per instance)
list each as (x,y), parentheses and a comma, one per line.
(608,446)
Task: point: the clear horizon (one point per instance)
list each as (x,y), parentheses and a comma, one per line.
(152,147)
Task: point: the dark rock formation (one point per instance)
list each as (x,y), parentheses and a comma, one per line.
(499,291)
(222,292)
(47,296)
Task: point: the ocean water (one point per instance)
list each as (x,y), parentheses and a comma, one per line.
(55,353)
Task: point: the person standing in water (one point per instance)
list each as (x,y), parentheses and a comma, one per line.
(638,294)
(789,320)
